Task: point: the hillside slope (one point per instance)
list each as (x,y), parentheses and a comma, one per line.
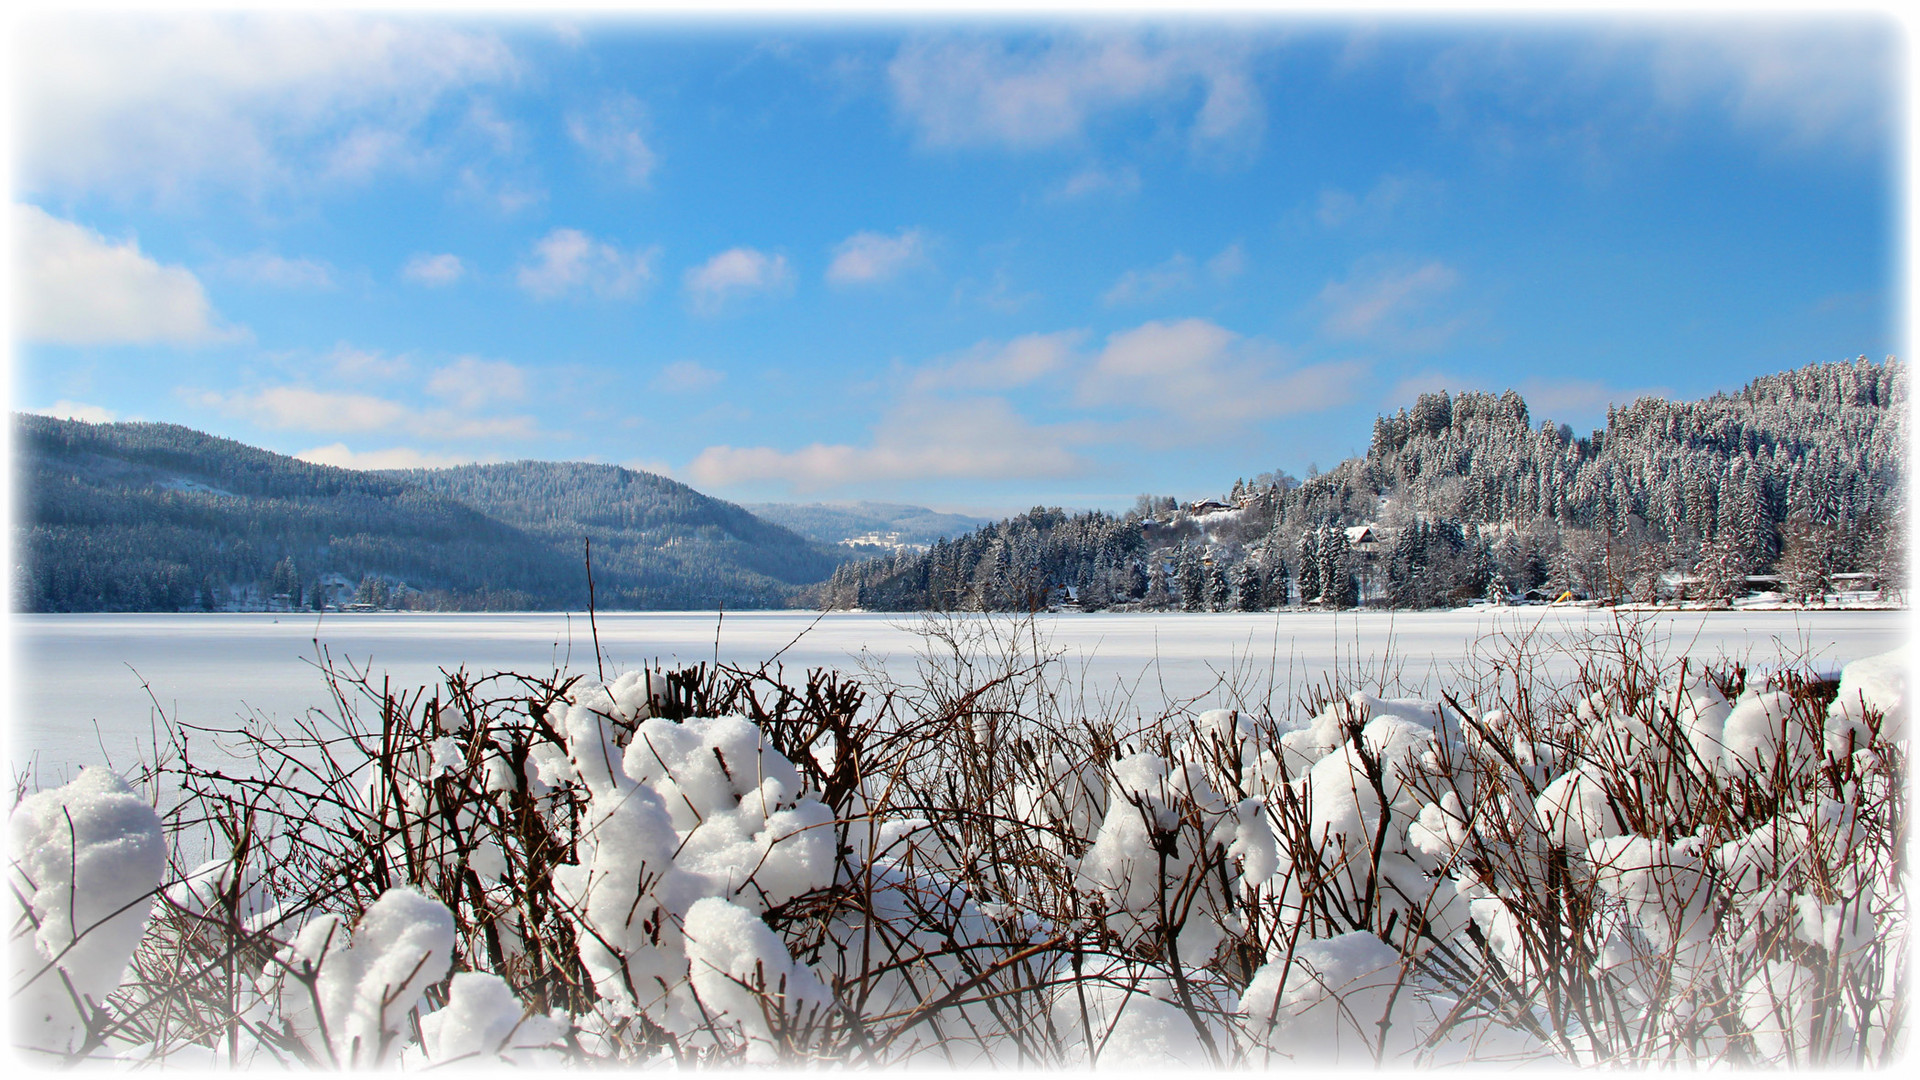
(1799,477)
(159,517)
(657,543)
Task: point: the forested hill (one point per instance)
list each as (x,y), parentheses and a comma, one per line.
(158,517)
(1799,476)
(657,543)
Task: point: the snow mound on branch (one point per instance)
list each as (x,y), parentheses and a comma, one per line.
(1326,1004)
(1132,1011)
(747,981)
(483,1023)
(1875,684)
(87,857)
(367,982)
(1576,810)
(1761,730)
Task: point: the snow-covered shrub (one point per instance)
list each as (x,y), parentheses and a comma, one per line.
(86,858)
(347,990)
(484,1023)
(976,866)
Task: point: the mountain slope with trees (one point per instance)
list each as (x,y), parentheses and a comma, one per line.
(657,543)
(1798,477)
(158,517)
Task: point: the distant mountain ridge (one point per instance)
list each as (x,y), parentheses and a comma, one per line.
(836,523)
(159,517)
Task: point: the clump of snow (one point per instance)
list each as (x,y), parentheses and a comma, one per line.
(1761,730)
(483,1023)
(1133,1012)
(365,981)
(1877,684)
(1576,810)
(1326,1003)
(746,980)
(87,857)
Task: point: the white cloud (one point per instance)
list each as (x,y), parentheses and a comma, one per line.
(393,457)
(1137,286)
(999,295)
(77,410)
(735,272)
(687,377)
(433,270)
(872,257)
(1201,375)
(1096,180)
(1175,275)
(1807,82)
(612,135)
(648,465)
(79,288)
(1339,208)
(975,438)
(249,102)
(568,260)
(353,364)
(981,92)
(470,382)
(1229,264)
(304,409)
(266,268)
(1384,300)
(993,366)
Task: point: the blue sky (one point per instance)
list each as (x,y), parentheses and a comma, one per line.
(977,265)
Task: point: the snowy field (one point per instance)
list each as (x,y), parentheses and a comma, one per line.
(78,696)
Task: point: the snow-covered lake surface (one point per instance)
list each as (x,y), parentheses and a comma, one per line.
(78,695)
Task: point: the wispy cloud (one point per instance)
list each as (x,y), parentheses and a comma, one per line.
(1791,83)
(975,92)
(354,365)
(687,377)
(77,410)
(1374,208)
(1230,263)
(305,409)
(1806,82)
(393,457)
(171,104)
(1177,274)
(613,135)
(1201,375)
(266,268)
(734,273)
(972,438)
(1136,286)
(433,271)
(1097,180)
(569,261)
(79,288)
(870,257)
(996,366)
(470,382)
(1389,301)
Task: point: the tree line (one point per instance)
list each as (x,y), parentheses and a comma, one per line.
(1790,483)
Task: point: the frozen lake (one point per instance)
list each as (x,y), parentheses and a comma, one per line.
(77,695)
